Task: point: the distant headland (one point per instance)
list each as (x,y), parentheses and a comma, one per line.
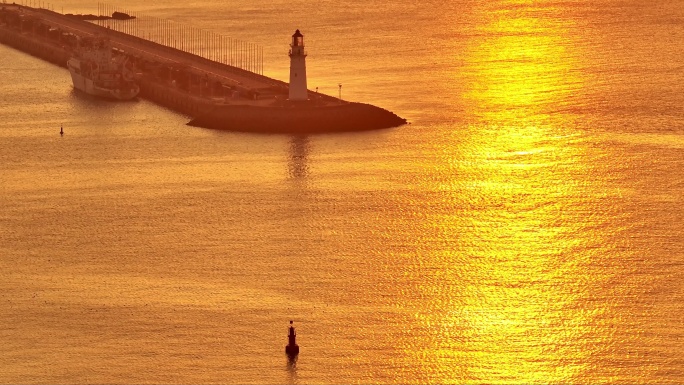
(88,17)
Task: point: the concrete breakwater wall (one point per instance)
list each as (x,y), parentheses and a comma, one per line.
(217,95)
(299,119)
(164,94)
(45,50)
(174,99)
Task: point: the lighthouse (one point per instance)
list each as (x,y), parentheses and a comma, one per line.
(297,68)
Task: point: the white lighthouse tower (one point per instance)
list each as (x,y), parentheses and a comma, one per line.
(298,68)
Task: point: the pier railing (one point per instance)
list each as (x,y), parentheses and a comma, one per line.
(197,41)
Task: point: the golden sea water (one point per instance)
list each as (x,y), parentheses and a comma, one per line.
(524,228)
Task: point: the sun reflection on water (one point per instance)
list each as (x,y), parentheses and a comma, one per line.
(506,299)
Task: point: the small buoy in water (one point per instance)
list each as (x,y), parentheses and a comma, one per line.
(292,349)
(61,130)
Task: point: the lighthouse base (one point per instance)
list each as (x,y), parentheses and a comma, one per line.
(292,350)
(298,118)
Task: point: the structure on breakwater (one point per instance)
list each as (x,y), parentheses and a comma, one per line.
(216,80)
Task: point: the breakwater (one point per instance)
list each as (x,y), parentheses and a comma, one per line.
(298,119)
(51,51)
(213,93)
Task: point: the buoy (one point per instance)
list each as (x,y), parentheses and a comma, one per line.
(61,130)
(292,349)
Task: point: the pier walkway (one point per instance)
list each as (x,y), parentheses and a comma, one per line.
(154,52)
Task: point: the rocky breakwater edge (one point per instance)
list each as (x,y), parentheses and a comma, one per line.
(298,118)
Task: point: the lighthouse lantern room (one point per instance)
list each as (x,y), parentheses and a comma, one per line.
(297,68)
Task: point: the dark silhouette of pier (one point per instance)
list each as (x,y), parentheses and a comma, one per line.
(217,80)
(182,67)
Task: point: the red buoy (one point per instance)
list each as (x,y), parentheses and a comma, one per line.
(292,349)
